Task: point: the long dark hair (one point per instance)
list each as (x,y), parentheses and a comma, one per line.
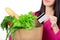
(56,10)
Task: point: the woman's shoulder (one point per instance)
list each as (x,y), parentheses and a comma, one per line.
(35,14)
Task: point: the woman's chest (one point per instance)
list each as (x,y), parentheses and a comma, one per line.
(48,32)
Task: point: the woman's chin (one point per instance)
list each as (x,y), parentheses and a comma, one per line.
(47,5)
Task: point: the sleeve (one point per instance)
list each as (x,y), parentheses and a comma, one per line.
(35,14)
(10,37)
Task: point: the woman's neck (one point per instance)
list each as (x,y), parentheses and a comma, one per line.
(49,11)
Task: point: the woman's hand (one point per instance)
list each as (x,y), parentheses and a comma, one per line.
(53,21)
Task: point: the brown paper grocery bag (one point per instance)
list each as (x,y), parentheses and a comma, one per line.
(34,34)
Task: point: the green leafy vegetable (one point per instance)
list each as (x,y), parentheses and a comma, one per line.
(25,21)
(5,21)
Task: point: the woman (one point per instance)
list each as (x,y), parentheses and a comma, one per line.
(51,26)
(50,29)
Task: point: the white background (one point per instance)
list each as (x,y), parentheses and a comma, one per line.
(20,7)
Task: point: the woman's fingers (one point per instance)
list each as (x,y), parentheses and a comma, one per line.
(11,12)
(53,20)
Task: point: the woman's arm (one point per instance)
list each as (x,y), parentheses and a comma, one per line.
(54,25)
(55,28)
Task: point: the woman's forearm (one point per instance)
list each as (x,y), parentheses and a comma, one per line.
(55,28)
